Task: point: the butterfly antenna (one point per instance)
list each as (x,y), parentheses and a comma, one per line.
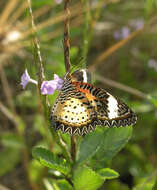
(79,64)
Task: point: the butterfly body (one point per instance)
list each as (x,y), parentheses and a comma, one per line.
(80,107)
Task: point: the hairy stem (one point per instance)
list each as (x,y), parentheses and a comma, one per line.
(66,45)
(73,148)
(66,36)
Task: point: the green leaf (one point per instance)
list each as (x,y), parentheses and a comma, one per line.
(36,170)
(86,178)
(90,144)
(116,185)
(12,140)
(108,173)
(52,184)
(50,160)
(155,185)
(150,4)
(146,184)
(63,184)
(9,157)
(104,143)
(114,139)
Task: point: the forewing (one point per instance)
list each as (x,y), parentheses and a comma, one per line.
(110,110)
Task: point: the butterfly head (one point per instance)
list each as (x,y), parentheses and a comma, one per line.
(81,75)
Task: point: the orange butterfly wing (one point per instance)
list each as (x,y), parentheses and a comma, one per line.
(81,106)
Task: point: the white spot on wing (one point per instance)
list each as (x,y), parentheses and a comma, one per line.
(113,107)
(85,77)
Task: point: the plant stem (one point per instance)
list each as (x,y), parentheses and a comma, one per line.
(66,45)
(121,86)
(66,36)
(85,43)
(67,61)
(73,148)
(36,44)
(90,20)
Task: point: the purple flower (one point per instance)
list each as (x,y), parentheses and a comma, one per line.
(125,32)
(152,63)
(48,87)
(59,81)
(117,34)
(59,1)
(137,24)
(122,34)
(25,79)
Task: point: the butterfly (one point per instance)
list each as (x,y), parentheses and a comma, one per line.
(80,107)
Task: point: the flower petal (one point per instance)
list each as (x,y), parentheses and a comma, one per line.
(117,35)
(125,32)
(59,1)
(59,81)
(25,78)
(48,87)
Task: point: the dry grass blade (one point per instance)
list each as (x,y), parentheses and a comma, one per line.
(12,117)
(7,11)
(121,43)
(113,48)
(37,13)
(58,18)
(121,86)
(18,13)
(75,11)
(51,35)
(6,89)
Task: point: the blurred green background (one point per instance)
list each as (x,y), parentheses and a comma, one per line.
(117,41)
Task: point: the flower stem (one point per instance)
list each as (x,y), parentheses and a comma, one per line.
(73,148)
(33,81)
(66,43)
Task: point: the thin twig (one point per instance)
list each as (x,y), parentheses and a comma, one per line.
(7,11)
(121,43)
(11,116)
(7,90)
(36,42)
(121,86)
(89,24)
(76,22)
(37,13)
(75,11)
(66,37)
(113,48)
(64,147)
(66,45)
(73,148)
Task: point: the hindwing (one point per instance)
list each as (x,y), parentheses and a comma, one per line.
(110,110)
(81,106)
